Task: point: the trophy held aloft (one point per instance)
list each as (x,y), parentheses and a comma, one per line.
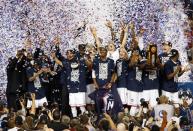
(151,56)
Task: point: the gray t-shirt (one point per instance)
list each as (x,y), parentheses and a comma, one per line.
(163,107)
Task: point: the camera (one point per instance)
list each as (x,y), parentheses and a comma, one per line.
(144,103)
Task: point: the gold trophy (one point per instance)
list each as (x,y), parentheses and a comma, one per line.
(151,55)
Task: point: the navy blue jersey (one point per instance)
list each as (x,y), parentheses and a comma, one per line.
(134,79)
(79,55)
(36,85)
(170,85)
(103,71)
(150,79)
(76,77)
(164,57)
(122,72)
(89,79)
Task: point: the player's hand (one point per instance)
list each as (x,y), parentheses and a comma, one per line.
(33,96)
(126,28)
(178,69)
(107,116)
(109,24)
(40,71)
(56,40)
(93,30)
(131,25)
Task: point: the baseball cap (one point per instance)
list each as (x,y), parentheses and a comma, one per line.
(173,53)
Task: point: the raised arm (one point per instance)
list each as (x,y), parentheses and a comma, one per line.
(110,26)
(94,33)
(121,31)
(33,107)
(53,55)
(125,35)
(132,27)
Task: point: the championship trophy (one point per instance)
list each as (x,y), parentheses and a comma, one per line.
(151,56)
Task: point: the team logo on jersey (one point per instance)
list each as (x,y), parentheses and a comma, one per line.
(138,74)
(75,75)
(164,59)
(37,83)
(119,68)
(161,114)
(103,70)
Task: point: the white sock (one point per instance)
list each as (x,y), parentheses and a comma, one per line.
(74,111)
(82,108)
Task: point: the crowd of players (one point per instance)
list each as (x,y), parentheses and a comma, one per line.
(114,78)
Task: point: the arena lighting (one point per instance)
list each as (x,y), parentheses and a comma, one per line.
(163,20)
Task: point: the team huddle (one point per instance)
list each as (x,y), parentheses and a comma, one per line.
(108,76)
